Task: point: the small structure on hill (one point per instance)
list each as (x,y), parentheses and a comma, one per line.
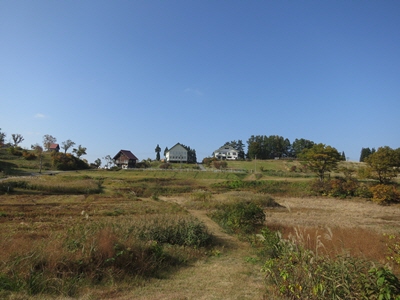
(54,147)
(125,159)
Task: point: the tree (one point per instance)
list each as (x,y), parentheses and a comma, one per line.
(79,151)
(384,164)
(264,147)
(48,140)
(109,161)
(39,151)
(365,152)
(2,137)
(191,154)
(158,150)
(299,145)
(17,138)
(238,146)
(66,145)
(320,159)
(343,156)
(97,163)
(165,151)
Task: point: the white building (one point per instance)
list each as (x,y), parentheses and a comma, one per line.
(226,152)
(177,153)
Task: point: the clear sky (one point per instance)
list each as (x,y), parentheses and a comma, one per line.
(113,75)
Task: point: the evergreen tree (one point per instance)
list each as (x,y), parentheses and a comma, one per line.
(238,146)
(343,156)
(158,150)
(365,152)
(191,154)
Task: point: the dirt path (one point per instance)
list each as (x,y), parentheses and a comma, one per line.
(230,273)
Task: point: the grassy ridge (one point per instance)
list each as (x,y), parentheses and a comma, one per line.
(72,231)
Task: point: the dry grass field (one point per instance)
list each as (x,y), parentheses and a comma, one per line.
(35,216)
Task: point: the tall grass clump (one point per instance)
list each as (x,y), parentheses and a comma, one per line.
(183,231)
(301,273)
(92,253)
(54,185)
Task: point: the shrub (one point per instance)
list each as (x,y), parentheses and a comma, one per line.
(183,231)
(16,151)
(166,166)
(320,187)
(343,187)
(92,253)
(299,273)
(384,194)
(394,249)
(364,191)
(220,164)
(208,161)
(338,187)
(67,162)
(28,155)
(239,217)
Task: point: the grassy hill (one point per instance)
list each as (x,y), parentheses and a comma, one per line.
(104,234)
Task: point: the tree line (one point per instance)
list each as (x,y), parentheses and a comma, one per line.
(273,146)
(62,161)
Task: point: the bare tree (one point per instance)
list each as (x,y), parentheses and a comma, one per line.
(109,161)
(66,145)
(17,138)
(48,140)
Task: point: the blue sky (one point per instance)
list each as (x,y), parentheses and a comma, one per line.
(113,75)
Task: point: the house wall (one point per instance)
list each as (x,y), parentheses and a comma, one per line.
(122,159)
(226,153)
(176,154)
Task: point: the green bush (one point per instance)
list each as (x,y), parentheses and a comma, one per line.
(239,217)
(65,162)
(16,151)
(183,231)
